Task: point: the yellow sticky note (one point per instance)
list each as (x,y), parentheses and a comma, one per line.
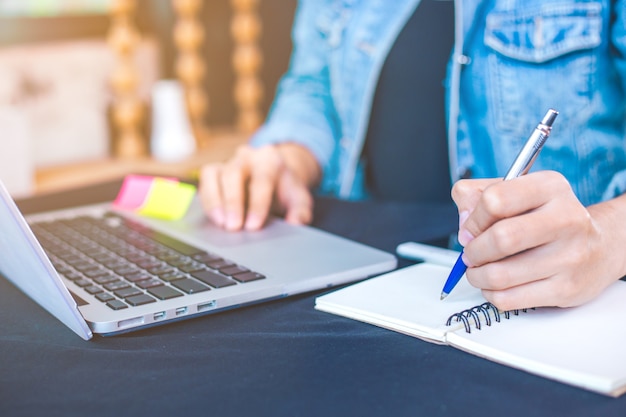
(167,199)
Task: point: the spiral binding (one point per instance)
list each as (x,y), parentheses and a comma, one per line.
(487,311)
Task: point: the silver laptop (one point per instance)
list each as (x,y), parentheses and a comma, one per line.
(105,271)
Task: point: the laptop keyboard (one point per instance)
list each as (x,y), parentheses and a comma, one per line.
(125,264)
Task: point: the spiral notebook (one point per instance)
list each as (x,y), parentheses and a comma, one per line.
(581,346)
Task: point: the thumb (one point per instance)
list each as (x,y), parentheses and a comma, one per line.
(466,195)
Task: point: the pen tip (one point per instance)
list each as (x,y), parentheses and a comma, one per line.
(443,296)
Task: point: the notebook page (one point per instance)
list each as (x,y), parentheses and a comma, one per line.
(582,346)
(405,300)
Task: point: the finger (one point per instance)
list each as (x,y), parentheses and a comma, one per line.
(536,294)
(234,178)
(522,268)
(563,260)
(503,199)
(210,193)
(517,282)
(513,235)
(262,186)
(557,290)
(466,193)
(531,218)
(296,200)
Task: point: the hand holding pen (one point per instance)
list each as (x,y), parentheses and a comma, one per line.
(521,165)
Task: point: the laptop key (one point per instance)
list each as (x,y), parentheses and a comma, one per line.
(206,257)
(116,305)
(171,243)
(164,292)
(149,283)
(72,276)
(222,263)
(233,270)
(127,292)
(160,270)
(95,272)
(172,276)
(140,276)
(191,267)
(190,286)
(116,285)
(92,289)
(105,279)
(248,276)
(83,282)
(213,279)
(138,300)
(104,297)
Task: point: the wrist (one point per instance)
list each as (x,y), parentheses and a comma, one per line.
(608,217)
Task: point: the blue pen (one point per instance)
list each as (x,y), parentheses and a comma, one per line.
(520,166)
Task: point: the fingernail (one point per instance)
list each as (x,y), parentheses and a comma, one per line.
(465,237)
(217,215)
(253,222)
(232,221)
(466,261)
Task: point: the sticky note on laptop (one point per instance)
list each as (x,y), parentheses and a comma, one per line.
(164,198)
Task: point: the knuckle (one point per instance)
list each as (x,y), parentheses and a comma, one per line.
(242,151)
(270,153)
(232,172)
(502,300)
(575,254)
(493,202)
(210,170)
(460,189)
(505,239)
(496,277)
(556,179)
(568,289)
(568,292)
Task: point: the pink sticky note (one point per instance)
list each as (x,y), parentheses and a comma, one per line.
(133,192)
(160,197)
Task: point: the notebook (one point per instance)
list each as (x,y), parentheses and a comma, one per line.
(581,346)
(128,272)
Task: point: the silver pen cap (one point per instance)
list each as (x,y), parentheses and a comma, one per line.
(549,118)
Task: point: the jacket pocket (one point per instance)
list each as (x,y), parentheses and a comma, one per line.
(554,30)
(540,57)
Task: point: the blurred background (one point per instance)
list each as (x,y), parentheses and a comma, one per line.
(88,87)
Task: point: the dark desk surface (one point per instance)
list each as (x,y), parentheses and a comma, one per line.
(281,358)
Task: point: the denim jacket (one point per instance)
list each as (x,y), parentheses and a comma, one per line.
(512,61)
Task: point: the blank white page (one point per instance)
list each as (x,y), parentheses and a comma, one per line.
(583,346)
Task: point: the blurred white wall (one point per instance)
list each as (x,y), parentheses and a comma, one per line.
(60,92)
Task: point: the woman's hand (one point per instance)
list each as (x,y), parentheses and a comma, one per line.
(529,242)
(242,192)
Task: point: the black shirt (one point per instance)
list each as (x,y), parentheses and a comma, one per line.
(405,151)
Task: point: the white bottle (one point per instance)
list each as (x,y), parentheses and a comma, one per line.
(172,138)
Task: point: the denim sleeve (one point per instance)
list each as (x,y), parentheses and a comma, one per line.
(617,186)
(303,110)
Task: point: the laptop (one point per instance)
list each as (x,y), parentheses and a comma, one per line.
(100,270)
